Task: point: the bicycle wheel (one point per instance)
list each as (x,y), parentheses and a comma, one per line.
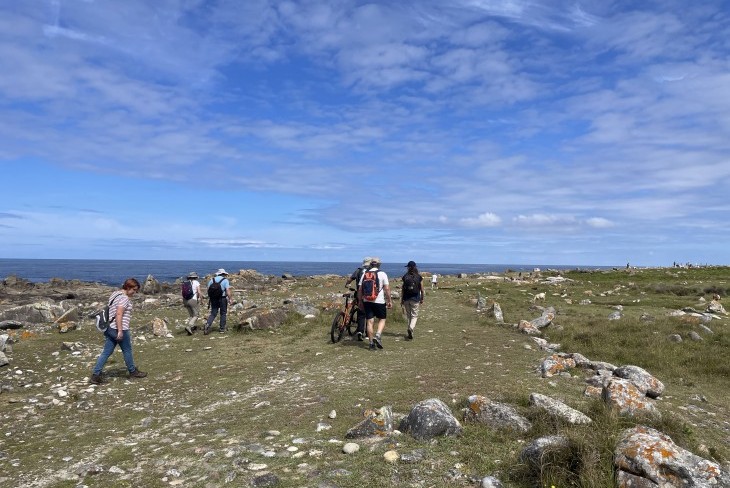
(338,327)
(350,319)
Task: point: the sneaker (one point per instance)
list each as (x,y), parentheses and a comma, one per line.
(359,336)
(410,334)
(377,342)
(372,346)
(206,331)
(189,330)
(96,379)
(137,374)
(222,331)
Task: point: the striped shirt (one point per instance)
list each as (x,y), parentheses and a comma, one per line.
(120,299)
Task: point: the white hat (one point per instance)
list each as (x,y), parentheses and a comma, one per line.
(376,260)
(366,261)
(221,272)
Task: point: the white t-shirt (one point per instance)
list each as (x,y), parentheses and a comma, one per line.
(196,289)
(382,283)
(434,277)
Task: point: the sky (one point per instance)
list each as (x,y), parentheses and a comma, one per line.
(470,131)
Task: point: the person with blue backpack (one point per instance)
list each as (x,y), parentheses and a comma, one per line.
(219,297)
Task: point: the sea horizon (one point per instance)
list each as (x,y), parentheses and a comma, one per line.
(115,271)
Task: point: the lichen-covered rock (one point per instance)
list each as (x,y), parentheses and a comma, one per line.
(159,327)
(558,409)
(642,379)
(555,364)
(376,423)
(430,418)
(715,307)
(527,328)
(646,455)
(626,397)
(496,415)
(262,318)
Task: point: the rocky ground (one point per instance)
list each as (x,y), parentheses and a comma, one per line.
(273,403)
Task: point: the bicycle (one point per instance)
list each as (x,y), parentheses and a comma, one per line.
(344,318)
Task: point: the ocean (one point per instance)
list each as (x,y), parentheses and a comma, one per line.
(114,272)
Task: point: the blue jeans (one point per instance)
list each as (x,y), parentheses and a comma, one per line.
(221,305)
(110,344)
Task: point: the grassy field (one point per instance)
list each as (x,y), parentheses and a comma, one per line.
(230,409)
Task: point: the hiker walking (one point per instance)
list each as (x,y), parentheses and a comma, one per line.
(374,290)
(118,334)
(191,300)
(434,281)
(411,296)
(355,276)
(219,297)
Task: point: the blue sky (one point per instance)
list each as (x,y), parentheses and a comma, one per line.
(469,131)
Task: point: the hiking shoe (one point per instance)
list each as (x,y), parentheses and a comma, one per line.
(377,342)
(359,336)
(189,330)
(372,346)
(222,331)
(96,379)
(137,374)
(410,334)
(206,331)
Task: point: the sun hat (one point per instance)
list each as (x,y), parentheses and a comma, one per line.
(366,260)
(221,272)
(375,260)
(411,264)
(193,274)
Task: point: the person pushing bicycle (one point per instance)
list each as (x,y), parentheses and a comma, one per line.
(355,276)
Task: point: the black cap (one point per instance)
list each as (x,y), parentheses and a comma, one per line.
(411,264)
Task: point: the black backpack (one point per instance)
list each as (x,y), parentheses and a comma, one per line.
(411,285)
(215,291)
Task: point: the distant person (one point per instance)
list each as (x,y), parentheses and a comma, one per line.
(434,281)
(219,297)
(374,290)
(411,296)
(117,334)
(191,300)
(355,276)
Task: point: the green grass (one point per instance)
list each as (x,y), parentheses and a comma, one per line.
(209,399)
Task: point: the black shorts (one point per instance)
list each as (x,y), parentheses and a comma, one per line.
(375,310)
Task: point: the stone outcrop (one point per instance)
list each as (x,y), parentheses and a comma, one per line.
(535,453)
(430,418)
(558,409)
(647,457)
(496,415)
(555,364)
(261,318)
(627,398)
(651,386)
(151,286)
(376,423)
(35,313)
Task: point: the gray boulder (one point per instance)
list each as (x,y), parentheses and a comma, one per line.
(558,409)
(535,452)
(151,286)
(430,418)
(496,415)
(34,313)
(625,397)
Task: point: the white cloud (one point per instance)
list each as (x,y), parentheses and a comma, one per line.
(599,222)
(486,219)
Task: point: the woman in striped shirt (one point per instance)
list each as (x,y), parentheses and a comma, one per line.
(120,306)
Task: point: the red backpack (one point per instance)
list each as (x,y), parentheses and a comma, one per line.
(370,286)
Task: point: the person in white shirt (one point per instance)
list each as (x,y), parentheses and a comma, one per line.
(377,307)
(434,281)
(192,305)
